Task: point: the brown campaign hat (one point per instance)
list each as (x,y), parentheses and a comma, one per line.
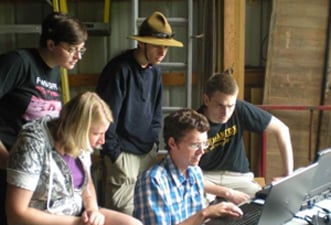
(157,31)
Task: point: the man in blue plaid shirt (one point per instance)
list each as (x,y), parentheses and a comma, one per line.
(172,191)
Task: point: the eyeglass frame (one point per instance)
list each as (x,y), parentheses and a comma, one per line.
(202,145)
(72,50)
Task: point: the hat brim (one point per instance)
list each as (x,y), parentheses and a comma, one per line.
(158,41)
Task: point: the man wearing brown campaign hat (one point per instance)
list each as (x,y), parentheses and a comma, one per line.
(156,30)
(131,84)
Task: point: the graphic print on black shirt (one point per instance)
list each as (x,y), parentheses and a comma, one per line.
(221,138)
(48,104)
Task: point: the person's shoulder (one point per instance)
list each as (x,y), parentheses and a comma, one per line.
(11,55)
(245,108)
(245,104)
(122,57)
(242,102)
(36,124)
(23,54)
(35,132)
(156,171)
(118,63)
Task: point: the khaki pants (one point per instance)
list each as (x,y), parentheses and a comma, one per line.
(121,177)
(243,182)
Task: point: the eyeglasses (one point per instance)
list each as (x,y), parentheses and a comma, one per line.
(72,51)
(197,146)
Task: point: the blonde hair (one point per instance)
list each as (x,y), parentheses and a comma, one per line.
(71,129)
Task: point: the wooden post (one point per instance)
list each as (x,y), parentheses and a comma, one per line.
(234,40)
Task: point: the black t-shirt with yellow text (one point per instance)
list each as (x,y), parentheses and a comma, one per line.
(227,150)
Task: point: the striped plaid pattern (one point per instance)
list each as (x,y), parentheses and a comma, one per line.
(164,196)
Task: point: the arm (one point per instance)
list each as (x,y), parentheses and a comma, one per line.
(25,167)
(3,156)
(11,72)
(91,215)
(227,193)
(158,201)
(154,207)
(283,138)
(19,212)
(213,211)
(89,197)
(11,67)
(157,118)
(109,88)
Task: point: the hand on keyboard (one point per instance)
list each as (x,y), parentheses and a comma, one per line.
(223,209)
(237,197)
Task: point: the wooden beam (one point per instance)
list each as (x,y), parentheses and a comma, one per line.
(177,79)
(254,77)
(83,80)
(234,40)
(90,80)
(229,33)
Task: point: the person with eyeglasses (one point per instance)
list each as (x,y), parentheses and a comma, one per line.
(30,81)
(73,51)
(131,83)
(225,162)
(172,191)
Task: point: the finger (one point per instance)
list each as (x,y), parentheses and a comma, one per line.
(235,209)
(94,219)
(84,217)
(97,219)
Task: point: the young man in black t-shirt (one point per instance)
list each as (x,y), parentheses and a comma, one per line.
(225,162)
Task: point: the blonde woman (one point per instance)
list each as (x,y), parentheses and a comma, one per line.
(48,172)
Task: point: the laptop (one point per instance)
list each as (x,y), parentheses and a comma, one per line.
(283,201)
(321,185)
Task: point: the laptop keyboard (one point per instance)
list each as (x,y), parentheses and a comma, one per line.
(252,213)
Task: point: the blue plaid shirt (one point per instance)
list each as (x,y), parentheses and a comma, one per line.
(164,196)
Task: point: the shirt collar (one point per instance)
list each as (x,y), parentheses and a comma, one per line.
(176,175)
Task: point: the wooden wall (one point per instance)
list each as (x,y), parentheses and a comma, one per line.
(298,41)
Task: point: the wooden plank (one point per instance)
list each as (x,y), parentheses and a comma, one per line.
(302,9)
(177,79)
(234,40)
(83,80)
(229,33)
(294,69)
(254,77)
(90,80)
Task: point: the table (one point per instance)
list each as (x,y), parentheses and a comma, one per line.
(316,210)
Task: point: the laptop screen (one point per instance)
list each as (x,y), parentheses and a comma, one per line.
(282,202)
(286,196)
(322,181)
